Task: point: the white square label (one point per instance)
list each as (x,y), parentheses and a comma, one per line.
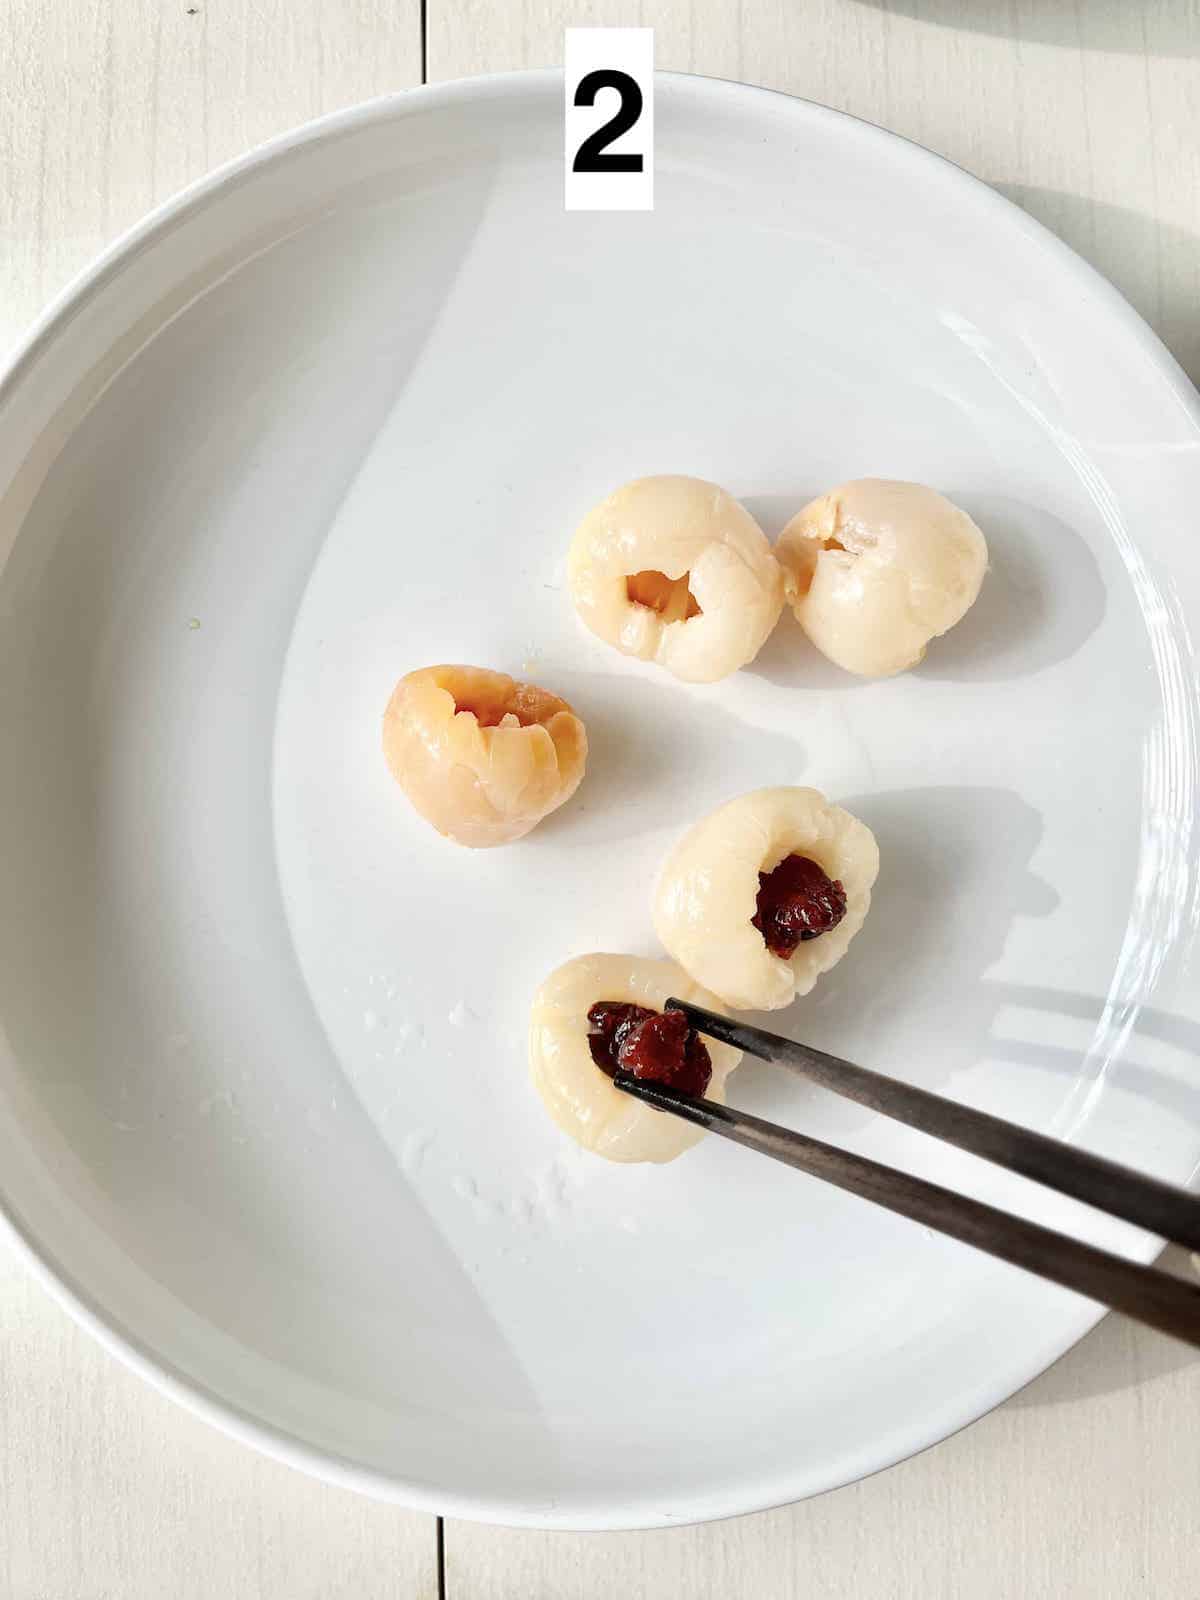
(609,84)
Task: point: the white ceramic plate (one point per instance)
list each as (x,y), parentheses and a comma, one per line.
(264,1115)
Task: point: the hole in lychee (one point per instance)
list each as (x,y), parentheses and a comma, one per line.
(671,598)
(493,713)
(804,578)
(496,700)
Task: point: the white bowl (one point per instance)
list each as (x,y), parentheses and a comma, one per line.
(264,1115)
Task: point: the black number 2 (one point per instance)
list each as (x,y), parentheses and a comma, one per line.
(593,154)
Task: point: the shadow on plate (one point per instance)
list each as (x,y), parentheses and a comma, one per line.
(789,661)
(1179,1096)
(1116,1355)
(1154,264)
(1041,600)
(1170,30)
(955,878)
(217,1186)
(623,794)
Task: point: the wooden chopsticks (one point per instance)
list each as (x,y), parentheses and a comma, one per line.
(1153,1297)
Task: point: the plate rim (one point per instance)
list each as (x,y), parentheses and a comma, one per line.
(122,1342)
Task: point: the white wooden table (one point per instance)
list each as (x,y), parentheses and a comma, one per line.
(1087,112)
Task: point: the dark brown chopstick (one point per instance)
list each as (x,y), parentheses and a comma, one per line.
(1153,1297)
(1146,1202)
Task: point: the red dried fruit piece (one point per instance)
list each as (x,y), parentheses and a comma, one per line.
(664,1048)
(660,1046)
(609,1021)
(797,901)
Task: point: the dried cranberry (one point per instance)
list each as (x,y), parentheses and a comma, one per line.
(609,1022)
(664,1048)
(797,901)
(657,1045)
